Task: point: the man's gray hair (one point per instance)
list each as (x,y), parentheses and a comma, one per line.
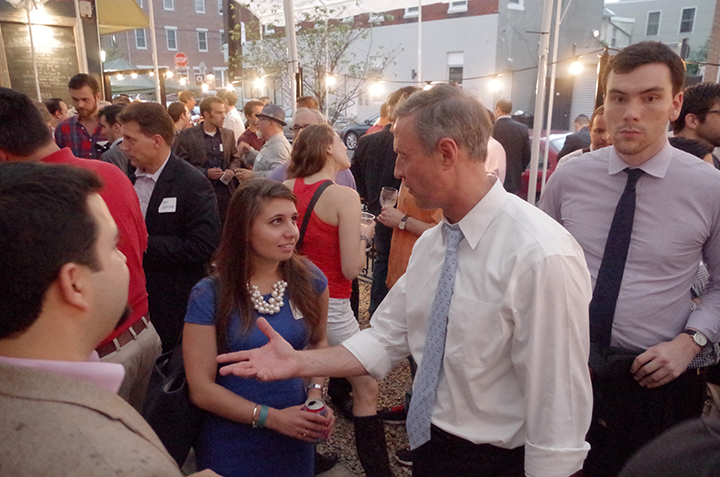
(318,115)
(446,111)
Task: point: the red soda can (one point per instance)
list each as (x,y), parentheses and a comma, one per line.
(316,406)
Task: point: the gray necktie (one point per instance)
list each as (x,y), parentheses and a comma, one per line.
(421,405)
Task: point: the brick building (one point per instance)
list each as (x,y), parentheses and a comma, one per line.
(193,27)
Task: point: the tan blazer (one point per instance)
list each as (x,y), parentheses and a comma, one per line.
(56,425)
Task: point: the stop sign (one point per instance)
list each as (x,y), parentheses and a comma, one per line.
(181,60)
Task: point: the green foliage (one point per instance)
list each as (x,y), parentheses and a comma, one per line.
(696,56)
(327,45)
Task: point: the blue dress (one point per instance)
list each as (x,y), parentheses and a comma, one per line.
(238,450)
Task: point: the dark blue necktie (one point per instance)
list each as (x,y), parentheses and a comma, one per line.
(609,278)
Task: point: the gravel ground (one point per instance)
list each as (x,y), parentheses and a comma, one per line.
(392,393)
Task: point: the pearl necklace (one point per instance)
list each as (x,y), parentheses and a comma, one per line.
(273,305)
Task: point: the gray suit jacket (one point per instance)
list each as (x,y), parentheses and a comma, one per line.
(56,425)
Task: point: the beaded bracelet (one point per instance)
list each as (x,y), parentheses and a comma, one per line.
(263,415)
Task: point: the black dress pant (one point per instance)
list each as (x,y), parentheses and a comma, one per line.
(627,416)
(448,455)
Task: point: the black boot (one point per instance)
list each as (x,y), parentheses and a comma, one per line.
(371,447)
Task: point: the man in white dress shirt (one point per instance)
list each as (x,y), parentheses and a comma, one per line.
(513,394)
(233,120)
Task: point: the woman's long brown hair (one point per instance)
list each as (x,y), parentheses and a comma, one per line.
(309,151)
(233,264)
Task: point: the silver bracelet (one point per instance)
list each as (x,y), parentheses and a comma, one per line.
(315,386)
(364,237)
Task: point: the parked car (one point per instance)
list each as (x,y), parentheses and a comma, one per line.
(556,143)
(352,133)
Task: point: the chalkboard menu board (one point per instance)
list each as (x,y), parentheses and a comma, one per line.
(55,54)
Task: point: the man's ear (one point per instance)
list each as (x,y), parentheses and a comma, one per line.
(692,121)
(449,150)
(73,283)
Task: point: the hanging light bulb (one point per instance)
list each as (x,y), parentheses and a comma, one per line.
(576,68)
(495,84)
(330,80)
(133,75)
(169,74)
(205,87)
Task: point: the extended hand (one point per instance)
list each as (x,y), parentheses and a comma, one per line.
(299,424)
(276,360)
(664,362)
(243,147)
(214,173)
(241,174)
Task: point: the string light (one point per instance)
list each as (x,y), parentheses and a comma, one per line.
(133,75)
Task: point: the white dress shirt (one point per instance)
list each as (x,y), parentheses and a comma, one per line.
(234,122)
(515,365)
(145,185)
(496,160)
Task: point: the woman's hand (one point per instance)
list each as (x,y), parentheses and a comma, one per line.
(367,230)
(298,424)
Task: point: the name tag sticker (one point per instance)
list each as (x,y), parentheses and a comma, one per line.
(296,313)
(169,204)
(221,148)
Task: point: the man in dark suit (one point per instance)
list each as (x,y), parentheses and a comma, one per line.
(515,140)
(212,149)
(180,212)
(580,139)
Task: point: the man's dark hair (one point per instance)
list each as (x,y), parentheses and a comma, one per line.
(401,94)
(206,104)
(45,223)
(249,106)
(697,100)
(505,106)
(53,105)
(111,113)
(599,111)
(152,118)
(696,147)
(646,53)
(176,109)
(307,102)
(82,79)
(185,96)
(229,96)
(582,120)
(23,130)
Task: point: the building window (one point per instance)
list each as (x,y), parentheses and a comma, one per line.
(202,40)
(411,12)
(687,20)
(455,74)
(199,6)
(169,4)
(455,62)
(171,36)
(140,41)
(223,38)
(516,4)
(653,24)
(458,7)
(220,76)
(220,7)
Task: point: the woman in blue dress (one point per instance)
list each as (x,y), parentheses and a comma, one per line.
(256,428)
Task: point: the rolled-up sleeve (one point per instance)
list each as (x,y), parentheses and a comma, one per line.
(550,354)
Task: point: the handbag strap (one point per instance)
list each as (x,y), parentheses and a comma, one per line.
(308,211)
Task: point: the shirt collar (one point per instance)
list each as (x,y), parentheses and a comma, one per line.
(117,142)
(476,222)
(106,375)
(656,166)
(503,116)
(141,172)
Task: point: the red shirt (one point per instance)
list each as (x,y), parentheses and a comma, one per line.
(321,244)
(119,195)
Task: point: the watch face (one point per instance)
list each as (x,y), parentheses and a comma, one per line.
(700,339)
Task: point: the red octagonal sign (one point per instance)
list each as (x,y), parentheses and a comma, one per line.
(181,60)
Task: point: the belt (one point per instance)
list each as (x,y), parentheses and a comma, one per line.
(126,337)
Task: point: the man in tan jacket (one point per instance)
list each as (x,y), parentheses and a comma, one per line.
(65,287)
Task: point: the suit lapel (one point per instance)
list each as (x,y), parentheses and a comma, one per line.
(162,187)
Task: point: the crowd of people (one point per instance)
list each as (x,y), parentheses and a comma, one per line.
(557,340)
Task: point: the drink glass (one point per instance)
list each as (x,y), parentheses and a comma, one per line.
(388,197)
(366,218)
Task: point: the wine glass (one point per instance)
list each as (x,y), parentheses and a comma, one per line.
(388,197)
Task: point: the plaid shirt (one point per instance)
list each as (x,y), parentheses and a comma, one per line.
(70,133)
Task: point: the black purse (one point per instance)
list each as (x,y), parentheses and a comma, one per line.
(168,409)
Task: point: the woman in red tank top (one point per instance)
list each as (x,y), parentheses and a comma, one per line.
(335,241)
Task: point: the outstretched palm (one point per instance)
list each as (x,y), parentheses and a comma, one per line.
(276,360)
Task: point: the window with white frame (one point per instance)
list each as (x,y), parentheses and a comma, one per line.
(516,4)
(269,29)
(458,7)
(653,24)
(199,6)
(220,76)
(376,18)
(140,40)
(220,7)
(455,61)
(687,20)
(223,38)
(202,37)
(411,12)
(169,4)
(171,38)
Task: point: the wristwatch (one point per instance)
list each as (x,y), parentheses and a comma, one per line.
(699,338)
(402,223)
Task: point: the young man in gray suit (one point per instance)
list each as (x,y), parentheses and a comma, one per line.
(65,286)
